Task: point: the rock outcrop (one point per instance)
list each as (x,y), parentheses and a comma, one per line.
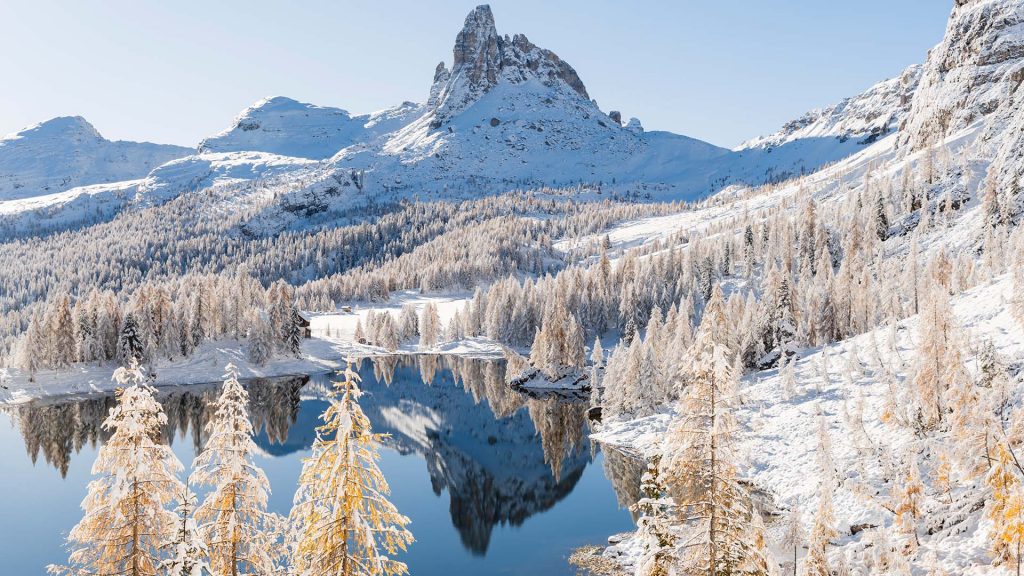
(482,58)
(971,75)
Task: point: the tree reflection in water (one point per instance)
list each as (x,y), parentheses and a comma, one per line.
(501,456)
(58,428)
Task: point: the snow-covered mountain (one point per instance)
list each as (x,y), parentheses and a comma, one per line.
(286,127)
(971,84)
(860,120)
(509,112)
(67,152)
(507,115)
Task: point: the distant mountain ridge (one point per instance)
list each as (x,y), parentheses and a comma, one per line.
(507,115)
(67,152)
(865,118)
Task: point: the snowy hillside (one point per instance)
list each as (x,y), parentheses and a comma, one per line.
(855,121)
(64,153)
(286,127)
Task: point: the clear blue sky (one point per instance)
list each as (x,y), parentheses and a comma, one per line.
(174,72)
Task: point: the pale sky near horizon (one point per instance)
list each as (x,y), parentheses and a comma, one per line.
(175,72)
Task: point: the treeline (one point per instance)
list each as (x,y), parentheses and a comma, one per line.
(162,321)
(199,234)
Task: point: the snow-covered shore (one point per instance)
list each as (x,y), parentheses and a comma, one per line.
(332,343)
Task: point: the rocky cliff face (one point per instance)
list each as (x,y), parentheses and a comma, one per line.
(972,75)
(482,58)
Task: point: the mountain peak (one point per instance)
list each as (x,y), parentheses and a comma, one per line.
(61,127)
(481,59)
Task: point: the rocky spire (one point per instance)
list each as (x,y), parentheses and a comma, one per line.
(482,59)
(441,76)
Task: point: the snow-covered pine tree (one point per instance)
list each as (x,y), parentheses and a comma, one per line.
(129,341)
(938,362)
(794,536)
(294,332)
(822,532)
(126,525)
(260,346)
(188,555)
(1005,508)
(31,350)
(655,527)
(61,328)
(699,466)
(908,499)
(342,521)
(239,533)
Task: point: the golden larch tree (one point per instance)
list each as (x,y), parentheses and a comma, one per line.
(239,533)
(342,521)
(127,523)
(719,533)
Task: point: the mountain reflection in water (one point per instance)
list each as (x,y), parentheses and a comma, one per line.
(501,456)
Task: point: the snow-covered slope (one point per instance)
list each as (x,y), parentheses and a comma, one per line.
(67,152)
(858,121)
(286,127)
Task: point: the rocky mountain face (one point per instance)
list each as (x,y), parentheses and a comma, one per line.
(972,75)
(971,83)
(67,152)
(482,58)
(861,120)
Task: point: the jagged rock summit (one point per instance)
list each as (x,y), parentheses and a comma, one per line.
(482,58)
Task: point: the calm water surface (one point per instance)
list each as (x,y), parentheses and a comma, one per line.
(494,482)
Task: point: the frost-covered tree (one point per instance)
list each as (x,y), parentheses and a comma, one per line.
(699,466)
(655,527)
(129,341)
(188,553)
(293,332)
(239,533)
(1005,508)
(938,363)
(342,521)
(32,349)
(127,525)
(822,532)
(430,326)
(794,537)
(259,345)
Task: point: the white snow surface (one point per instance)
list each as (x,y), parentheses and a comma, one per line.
(66,153)
(286,127)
